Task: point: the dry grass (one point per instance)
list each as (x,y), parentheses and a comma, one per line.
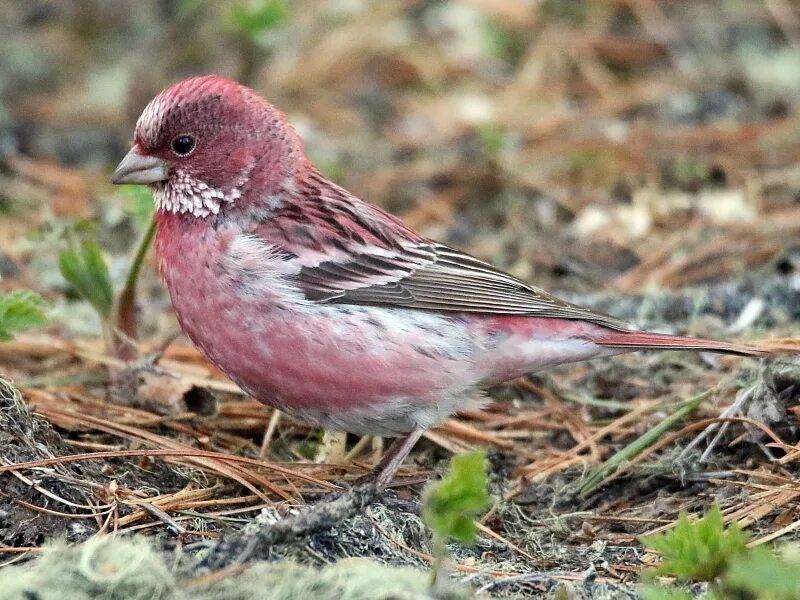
(579,151)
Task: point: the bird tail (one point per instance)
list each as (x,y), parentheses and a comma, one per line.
(644,340)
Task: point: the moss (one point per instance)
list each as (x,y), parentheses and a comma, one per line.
(101,568)
(131,569)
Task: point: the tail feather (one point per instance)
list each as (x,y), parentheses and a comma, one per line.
(643,340)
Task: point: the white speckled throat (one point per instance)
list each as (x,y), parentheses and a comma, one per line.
(182,193)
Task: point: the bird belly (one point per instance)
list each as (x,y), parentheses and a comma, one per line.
(363,369)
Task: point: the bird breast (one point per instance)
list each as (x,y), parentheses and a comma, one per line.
(330,363)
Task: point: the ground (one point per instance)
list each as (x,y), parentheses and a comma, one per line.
(638,157)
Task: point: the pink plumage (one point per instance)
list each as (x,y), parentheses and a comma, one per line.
(324,305)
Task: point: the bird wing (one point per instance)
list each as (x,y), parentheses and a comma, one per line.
(351,252)
(435,277)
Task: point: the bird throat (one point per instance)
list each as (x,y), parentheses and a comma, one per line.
(182,193)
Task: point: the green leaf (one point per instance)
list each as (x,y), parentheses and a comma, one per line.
(644,441)
(699,550)
(20,309)
(255,17)
(84,267)
(450,505)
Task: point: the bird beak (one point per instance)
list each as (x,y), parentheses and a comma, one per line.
(137,168)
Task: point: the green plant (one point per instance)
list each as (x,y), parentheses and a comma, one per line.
(621,459)
(83,266)
(20,309)
(706,550)
(699,550)
(255,17)
(255,22)
(450,506)
(125,307)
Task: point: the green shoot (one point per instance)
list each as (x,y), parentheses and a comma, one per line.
(705,550)
(699,550)
(20,309)
(140,207)
(125,307)
(449,506)
(256,22)
(609,468)
(256,17)
(84,267)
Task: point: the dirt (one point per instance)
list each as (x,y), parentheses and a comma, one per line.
(25,437)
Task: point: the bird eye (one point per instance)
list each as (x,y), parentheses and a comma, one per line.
(183,145)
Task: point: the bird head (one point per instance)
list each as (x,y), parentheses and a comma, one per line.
(204,141)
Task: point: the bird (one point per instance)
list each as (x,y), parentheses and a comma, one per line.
(328,307)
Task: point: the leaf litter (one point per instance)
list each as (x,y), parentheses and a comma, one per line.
(579,150)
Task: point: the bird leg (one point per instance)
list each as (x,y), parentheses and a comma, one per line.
(382,474)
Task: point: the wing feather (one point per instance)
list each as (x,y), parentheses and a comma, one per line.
(435,277)
(351,252)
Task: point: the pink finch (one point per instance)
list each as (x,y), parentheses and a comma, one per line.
(323,305)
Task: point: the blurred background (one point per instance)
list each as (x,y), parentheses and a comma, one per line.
(638,156)
(625,145)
